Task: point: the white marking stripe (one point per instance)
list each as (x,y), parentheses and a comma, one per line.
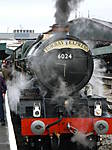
(12,140)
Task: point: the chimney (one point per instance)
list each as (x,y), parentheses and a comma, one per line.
(88,14)
(60,28)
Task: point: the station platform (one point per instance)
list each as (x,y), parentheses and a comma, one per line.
(4,140)
(7,136)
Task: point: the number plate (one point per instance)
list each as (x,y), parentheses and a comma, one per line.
(65,56)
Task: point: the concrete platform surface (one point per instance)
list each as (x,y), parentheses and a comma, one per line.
(4,141)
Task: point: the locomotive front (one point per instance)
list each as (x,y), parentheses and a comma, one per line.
(51,62)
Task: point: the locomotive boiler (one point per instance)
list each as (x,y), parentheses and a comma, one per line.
(53,110)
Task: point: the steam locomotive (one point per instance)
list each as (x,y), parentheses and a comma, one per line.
(52,114)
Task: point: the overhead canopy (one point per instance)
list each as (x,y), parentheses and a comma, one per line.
(2,46)
(4,52)
(91,29)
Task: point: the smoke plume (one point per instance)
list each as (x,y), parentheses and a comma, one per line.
(64,8)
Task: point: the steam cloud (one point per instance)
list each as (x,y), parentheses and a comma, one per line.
(81,138)
(96,79)
(15,86)
(64,8)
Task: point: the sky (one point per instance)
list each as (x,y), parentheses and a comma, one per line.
(39,14)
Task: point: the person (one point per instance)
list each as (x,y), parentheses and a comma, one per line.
(3,89)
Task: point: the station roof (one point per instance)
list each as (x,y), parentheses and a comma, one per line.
(91,29)
(18,36)
(5,49)
(2,46)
